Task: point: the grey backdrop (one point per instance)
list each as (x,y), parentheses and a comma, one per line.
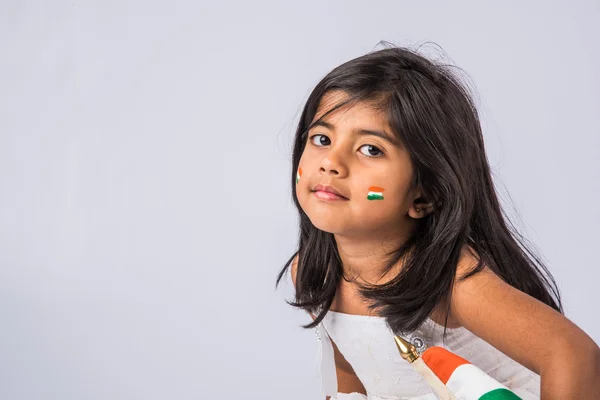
(145,150)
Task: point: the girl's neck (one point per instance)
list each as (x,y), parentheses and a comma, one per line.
(365,260)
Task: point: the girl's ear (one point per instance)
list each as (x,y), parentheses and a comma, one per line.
(420,208)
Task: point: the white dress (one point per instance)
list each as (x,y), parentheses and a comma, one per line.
(367,343)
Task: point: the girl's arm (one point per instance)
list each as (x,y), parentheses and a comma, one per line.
(528,331)
(347,381)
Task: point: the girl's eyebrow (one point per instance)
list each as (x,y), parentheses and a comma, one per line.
(392,140)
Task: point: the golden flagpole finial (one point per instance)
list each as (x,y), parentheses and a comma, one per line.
(407,350)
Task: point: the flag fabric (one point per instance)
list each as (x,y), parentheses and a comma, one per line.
(464,379)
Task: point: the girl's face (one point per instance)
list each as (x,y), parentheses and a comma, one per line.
(354,152)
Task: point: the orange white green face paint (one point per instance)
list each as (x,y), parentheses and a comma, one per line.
(298,175)
(375,193)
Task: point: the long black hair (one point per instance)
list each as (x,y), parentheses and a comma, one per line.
(432,113)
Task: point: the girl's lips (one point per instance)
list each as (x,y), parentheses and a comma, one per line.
(321,194)
(329,189)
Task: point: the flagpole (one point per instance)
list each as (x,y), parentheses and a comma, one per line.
(409,353)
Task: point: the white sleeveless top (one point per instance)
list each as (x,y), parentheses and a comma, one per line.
(367,343)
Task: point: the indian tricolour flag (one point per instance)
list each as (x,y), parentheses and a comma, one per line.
(375,193)
(462,378)
(298,174)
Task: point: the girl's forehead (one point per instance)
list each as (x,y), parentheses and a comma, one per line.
(363,110)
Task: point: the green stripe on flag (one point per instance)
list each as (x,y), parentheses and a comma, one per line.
(500,394)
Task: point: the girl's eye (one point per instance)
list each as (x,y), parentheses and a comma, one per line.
(368,150)
(371,151)
(321,140)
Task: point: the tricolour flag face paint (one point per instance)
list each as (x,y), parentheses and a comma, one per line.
(375,193)
(298,175)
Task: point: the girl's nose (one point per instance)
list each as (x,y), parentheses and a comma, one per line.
(332,165)
(331,171)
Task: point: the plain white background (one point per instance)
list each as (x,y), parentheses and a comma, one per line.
(145,152)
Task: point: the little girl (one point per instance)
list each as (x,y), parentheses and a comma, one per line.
(401,232)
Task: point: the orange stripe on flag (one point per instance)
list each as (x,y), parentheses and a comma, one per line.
(375,189)
(442,362)
(300,171)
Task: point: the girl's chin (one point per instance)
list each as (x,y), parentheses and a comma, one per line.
(337,226)
(330,226)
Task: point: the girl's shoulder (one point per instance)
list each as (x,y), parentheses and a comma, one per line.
(517,324)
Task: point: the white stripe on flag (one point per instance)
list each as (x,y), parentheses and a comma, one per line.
(469,382)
